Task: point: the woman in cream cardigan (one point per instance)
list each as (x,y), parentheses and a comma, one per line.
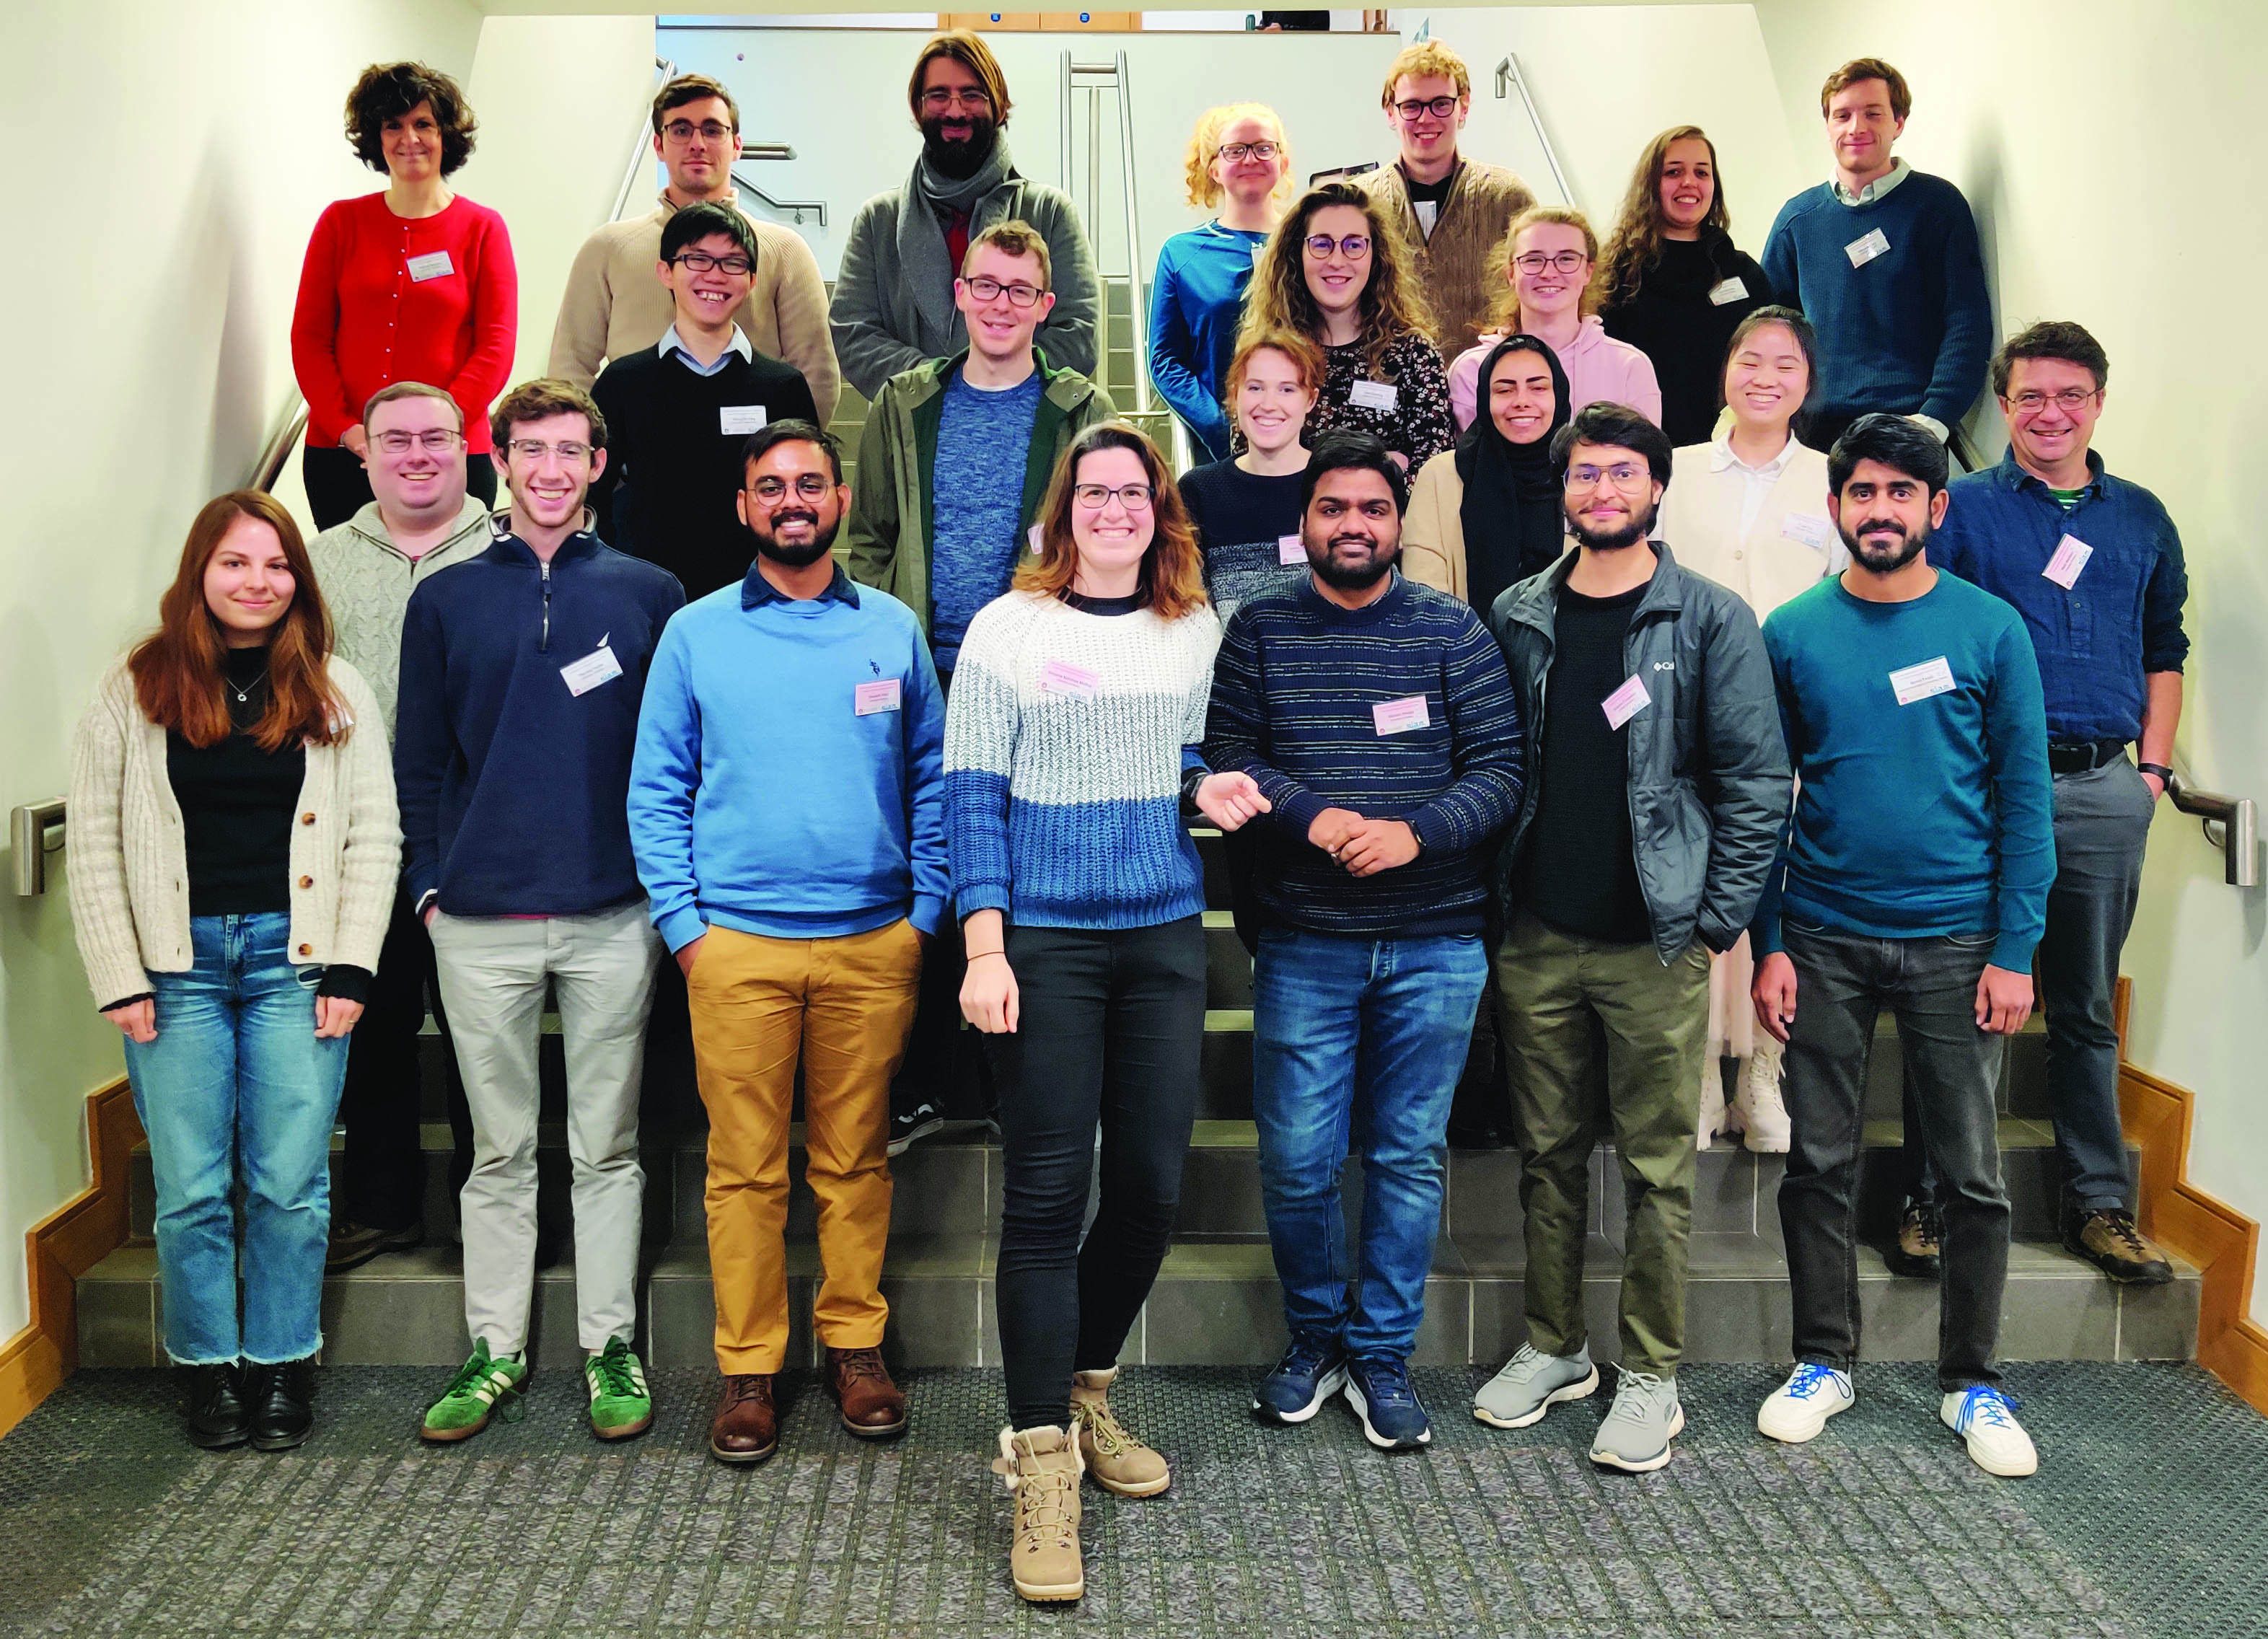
(233,847)
(1750,511)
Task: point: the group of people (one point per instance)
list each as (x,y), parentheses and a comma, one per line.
(1503,725)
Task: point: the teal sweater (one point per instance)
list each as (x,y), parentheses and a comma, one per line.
(1915,820)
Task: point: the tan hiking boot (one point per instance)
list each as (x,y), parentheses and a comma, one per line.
(1115,1459)
(1042,1467)
(2107,1238)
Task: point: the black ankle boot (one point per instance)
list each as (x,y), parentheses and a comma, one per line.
(217,1412)
(277,1396)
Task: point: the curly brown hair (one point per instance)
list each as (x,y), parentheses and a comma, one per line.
(1504,304)
(1393,303)
(387,90)
(1173,569)
(1635,246)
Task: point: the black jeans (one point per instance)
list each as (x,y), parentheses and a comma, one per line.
(338,486)
(1111,1029)
(1843,983)
(383,1168)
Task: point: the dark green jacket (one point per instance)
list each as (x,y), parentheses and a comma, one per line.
(1709,783)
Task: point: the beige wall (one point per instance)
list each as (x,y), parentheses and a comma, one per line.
(2101,144)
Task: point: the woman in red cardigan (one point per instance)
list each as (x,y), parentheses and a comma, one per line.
(415,283)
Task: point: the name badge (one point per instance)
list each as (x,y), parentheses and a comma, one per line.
(2071,556)
(1291,550)
(869,698)
(1910,683)
(738,421)
(1399,717)
(1807,528)
(1374,395)
(1032,540)
(1862,250)
(1626,702)
(432,264)
(1731,291)
(1258,251)
(1061,677)
(595,668)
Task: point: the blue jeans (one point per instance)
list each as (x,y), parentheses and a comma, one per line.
(238,1088)
(1344,1026)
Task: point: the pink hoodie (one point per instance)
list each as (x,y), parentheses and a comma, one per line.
(1599,370)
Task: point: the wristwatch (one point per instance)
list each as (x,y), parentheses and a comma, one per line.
(2164,774)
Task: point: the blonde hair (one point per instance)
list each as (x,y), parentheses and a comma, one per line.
(1204,145)
(1504,304)
(1393,303)
(1432,57)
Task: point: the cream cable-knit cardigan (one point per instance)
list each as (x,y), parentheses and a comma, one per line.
(129,854)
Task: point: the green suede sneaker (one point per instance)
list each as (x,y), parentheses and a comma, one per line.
(483,1385)
(621,1404)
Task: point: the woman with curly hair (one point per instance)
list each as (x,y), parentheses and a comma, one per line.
(1240,163)
(1336,272)
(412,284)
(1671,284)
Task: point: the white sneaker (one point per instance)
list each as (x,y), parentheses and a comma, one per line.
(1798,1408)
(1757,1108)
(1712,1102)
(1986,1419)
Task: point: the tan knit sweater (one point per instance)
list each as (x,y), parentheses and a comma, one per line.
(129,854)
(614,305)
(1452,264)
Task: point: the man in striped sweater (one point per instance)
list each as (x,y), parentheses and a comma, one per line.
(1378,719)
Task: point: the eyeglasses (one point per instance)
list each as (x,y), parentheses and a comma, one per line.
(536,450)
(1536,262)
(1018,295)
(1237,153)
(436,440)
(1095,498)
(939,101)
(702,262)
(1354,247)
(685,131)
(1439,108)
(808,486)
(1622,475)
(2071,400)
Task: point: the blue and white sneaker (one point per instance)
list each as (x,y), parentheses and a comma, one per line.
(1986,1419)
(1799,1407)
(1378,1387)
(1312,1370)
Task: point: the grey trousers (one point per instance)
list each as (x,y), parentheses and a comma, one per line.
(493,973)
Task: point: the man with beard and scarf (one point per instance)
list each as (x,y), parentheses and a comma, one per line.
(1659,785)
(894,297)
(800,909)
(1375,716)
(1918,865)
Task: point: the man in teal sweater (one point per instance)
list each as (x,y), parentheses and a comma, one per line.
(1915,876)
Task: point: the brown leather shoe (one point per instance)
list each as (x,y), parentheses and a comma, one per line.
(1916,1251)
(872,1408)
(746,1430)
(2108,1240)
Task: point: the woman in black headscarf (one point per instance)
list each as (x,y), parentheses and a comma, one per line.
(1485,514)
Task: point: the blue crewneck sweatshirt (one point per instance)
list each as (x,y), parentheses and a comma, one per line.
(512,783)
(768,794)
(1915,820)
(1911,330)
(1195,307)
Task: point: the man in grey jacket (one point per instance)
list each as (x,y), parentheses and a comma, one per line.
(894,306)
(1657,785)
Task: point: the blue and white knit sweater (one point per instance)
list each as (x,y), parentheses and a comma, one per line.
(1067,738)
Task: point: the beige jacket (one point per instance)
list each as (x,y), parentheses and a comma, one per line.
(615,305)
(1452,264)
(128,853)
(1790,547)
(1433,529)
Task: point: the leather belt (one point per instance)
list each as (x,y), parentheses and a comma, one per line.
(2083,756)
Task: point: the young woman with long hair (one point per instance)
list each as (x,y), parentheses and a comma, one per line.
(234,847)
(1486,514)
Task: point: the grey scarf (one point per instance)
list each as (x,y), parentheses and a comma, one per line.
(923,263)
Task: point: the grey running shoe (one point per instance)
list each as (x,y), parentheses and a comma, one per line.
(1532,1384)
(1640,1425)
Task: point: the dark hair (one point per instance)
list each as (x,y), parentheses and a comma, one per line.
(1621,426)
(1806,343)
(1634,248)
(1858,70)
(539,400)
(1897,441)
(794,430)
(967,47)
(692,88)
(1345,449)
(698,222)
(387,90)
(1172,568)
(2051,338)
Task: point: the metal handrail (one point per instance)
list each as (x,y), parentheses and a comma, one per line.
(28,827)
(1094,78)
(2239,841)
(1507,72)
(799,206)
(641,145)
(279,446)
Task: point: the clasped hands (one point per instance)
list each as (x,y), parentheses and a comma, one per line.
(1364,847)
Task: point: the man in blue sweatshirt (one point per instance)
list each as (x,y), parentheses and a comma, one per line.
(521,673)
(1883,260)
(1915,876)
(787,805)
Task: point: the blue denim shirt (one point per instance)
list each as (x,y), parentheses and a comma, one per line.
(2120,620)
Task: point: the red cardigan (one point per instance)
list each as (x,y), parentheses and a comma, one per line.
(364,321)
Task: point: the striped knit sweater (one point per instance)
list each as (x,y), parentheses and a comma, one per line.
(1066,736)
(1294,705)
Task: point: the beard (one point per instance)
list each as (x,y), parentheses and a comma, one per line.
(956,158)
(796,557)
(1877,561)
(1629,534)
(1352,577)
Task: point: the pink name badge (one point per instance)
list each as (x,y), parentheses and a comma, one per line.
(2071,556)
(868,698)
(1061,677)
(1626,702)
(1291,550)
(1399,717)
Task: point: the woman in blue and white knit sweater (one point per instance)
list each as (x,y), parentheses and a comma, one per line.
(1070,744)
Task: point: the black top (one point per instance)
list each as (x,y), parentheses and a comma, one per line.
(1241,520)
(1577,871)
(1085,605)
(237,802)
(1428,193)
(678,471)
(1674,323)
